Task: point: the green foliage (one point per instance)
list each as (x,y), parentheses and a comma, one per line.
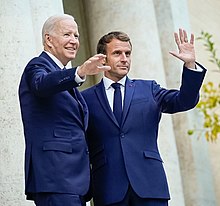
(209,104)
(210,46)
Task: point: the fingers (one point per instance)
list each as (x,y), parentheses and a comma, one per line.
(176,39)
(183,37)
(192,39)
(104,68)
(93,65)
(98,59)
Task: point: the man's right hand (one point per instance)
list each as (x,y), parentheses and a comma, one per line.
(93,65)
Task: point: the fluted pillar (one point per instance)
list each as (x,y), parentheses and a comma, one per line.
(139,21)
(19,25)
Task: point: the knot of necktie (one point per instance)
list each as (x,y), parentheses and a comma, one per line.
(116,85)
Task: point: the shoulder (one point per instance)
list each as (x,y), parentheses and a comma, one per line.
(90,92)
(43,58)
(141,82)
(41,61)
(141,85)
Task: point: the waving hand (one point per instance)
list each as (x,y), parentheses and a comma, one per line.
(186,49)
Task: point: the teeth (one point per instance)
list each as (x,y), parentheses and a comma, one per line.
(72,49)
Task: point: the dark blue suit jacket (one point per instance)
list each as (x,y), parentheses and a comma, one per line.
(56,156)
(129,154)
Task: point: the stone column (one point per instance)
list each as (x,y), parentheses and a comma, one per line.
(17,46)
(139,21)
(40,11)
(19,20)
(172,15)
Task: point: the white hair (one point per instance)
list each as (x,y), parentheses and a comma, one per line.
(50,24)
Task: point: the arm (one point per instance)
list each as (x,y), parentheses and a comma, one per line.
(186,98)
(44,80)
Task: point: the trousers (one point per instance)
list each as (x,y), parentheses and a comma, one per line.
(58,199)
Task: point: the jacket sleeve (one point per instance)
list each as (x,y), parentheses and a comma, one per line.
(45,80)
(172,101)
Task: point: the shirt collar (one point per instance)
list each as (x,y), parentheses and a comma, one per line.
(57,61)
(107,82)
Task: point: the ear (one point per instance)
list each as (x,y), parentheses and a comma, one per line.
(104,61)
(48,40)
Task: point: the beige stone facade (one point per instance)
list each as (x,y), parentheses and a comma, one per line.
(192,165)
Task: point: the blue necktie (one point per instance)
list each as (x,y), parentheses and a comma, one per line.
(117,103)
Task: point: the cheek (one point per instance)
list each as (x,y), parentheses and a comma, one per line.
(57,46)
(78,44)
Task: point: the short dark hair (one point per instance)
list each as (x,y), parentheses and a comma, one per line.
(104,40)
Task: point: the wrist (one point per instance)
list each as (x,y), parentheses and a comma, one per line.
(191,65)
(80,72)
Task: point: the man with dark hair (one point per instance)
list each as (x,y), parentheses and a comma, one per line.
(127,169)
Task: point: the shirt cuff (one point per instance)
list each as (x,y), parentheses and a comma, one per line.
(198,69)
(78,79)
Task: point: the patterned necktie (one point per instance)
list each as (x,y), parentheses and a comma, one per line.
(117,103)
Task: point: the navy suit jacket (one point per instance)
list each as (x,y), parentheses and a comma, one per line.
(128,154)
(56,155)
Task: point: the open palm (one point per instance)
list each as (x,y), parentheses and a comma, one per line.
(186,49)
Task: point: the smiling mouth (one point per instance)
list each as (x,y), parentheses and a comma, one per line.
(71,49)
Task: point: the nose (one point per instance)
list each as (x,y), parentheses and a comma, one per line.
(74,39)
(123,57)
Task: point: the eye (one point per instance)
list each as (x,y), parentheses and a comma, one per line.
(66,35)
(76,36)
(116,53)
(128,54)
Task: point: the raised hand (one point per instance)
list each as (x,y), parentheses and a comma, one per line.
(186,48)
(93,65)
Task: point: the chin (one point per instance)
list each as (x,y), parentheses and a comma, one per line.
(125,72)
(71,57)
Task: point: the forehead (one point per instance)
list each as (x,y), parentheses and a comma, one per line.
(116,44)
(67,25)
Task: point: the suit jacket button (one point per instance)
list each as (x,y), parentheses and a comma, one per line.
(122,135)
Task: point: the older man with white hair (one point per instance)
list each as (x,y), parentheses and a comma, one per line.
(55,118)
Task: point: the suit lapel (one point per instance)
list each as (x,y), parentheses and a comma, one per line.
(47,57)
(129,91)
(101,94)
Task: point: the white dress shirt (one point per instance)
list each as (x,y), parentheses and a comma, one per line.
(110,90)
